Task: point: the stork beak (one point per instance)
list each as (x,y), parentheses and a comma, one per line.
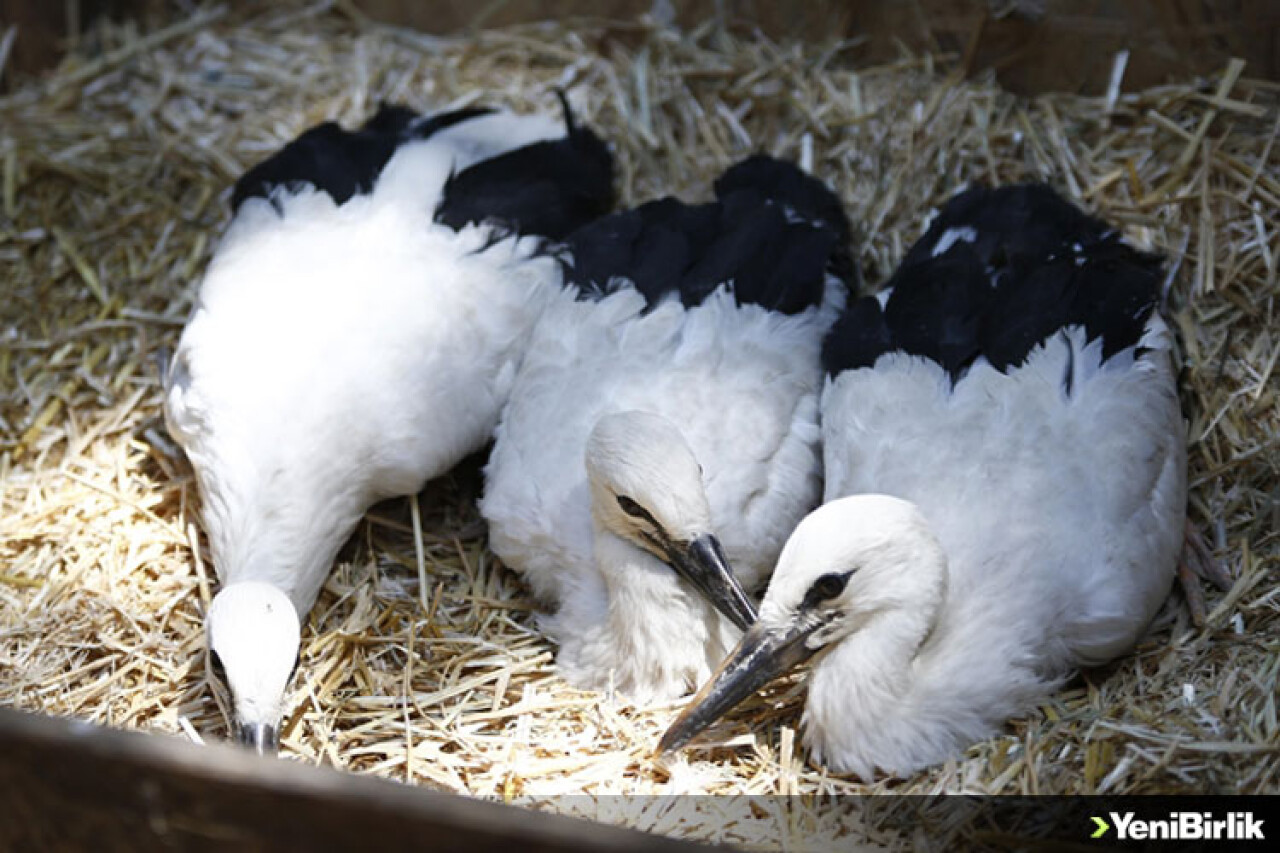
(764,653)
(261,737)
(704,565)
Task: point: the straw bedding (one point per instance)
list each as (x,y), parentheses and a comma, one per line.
(113,179)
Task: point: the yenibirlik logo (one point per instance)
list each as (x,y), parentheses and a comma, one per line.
(1182,826)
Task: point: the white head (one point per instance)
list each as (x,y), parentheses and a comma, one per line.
(847,563)
(254,637)
(851,559)
(646,489)
(644,460)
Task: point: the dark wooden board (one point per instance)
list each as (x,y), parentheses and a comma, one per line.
(68,785)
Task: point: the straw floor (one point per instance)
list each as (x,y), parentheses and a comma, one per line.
(113,173)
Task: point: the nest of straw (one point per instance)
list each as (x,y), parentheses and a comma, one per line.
(113,178)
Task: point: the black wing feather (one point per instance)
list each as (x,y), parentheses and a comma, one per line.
(335,161)
(548,188)
(1028,264)
(858,338)
(938,311)
(773,232)
(649,247)
(803,195)
(343,163)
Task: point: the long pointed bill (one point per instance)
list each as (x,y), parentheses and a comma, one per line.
(260,737)
(705,566)
(764,653)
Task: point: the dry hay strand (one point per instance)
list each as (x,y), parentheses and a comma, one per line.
(113,179)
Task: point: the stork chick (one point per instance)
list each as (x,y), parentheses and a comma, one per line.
(357,333)
(1006,424)
(668,405)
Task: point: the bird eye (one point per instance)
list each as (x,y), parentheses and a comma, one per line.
(826,587)
(632,508)
(215,664)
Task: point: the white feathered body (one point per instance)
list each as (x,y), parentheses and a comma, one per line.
(338,355)
(1061,514)
(741,382)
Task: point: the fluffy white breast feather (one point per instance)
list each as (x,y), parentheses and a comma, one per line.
(337,356)
(1060,517)
(741,383)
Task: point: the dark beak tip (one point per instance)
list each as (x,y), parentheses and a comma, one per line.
(260,737)
(665,753)
(679,734)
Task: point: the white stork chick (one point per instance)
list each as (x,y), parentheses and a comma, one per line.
(668,404)
(357,333)
(1007,421)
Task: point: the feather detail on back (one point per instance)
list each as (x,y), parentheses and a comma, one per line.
(547,188)
(344,348)
(998,273)
(773,233)
(519,174)
(342,163)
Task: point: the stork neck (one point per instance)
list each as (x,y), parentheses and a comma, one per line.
(870,674)
(665,638)
(259,535)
